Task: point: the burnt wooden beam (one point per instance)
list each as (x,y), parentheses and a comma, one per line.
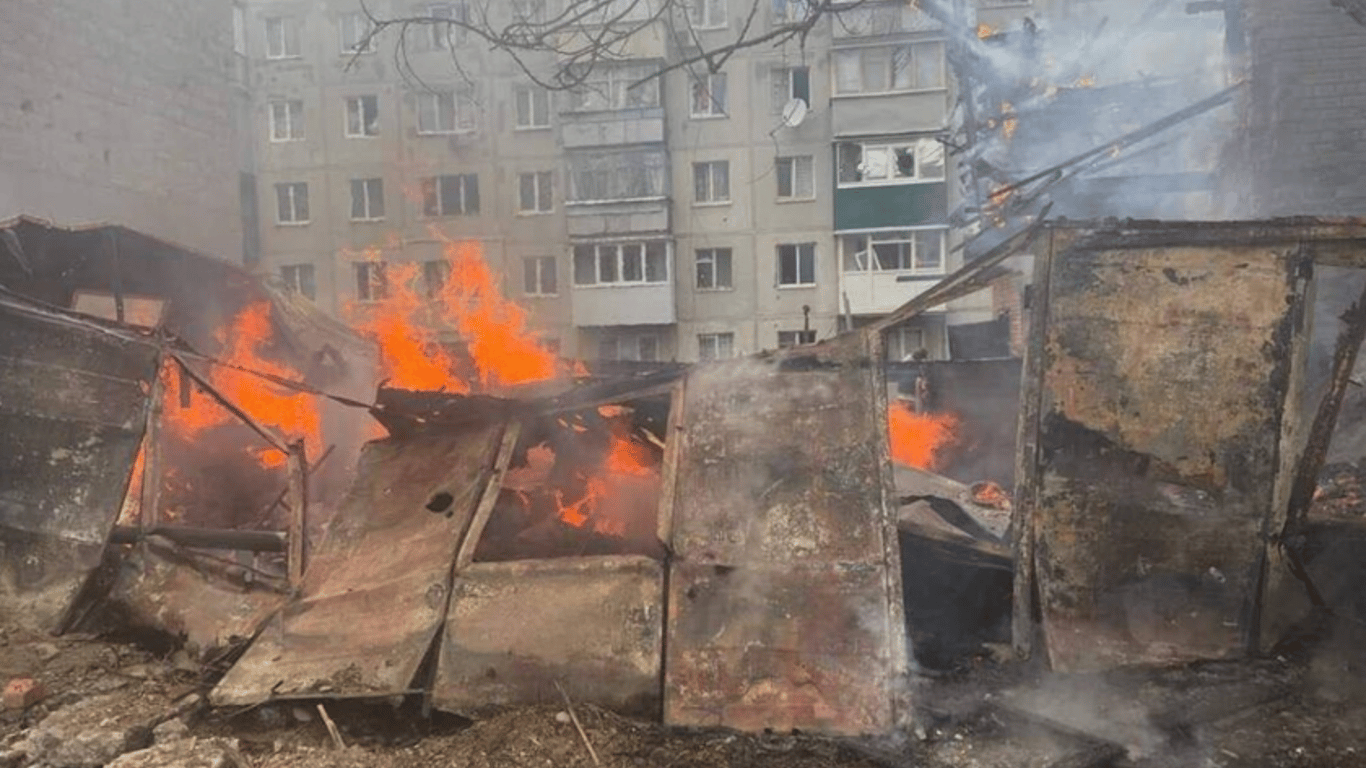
(205,538)
(298,510)
(267,434)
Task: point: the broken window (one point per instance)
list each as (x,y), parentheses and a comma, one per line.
(291,203)
(362,117)
(450,195)
(371,281)
(890,163)
(300,279)
(790,83)
(894,251)
(713,269)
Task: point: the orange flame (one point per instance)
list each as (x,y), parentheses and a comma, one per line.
(610,496)
(984,31)
(1009,123)
(412,357)
(920,439)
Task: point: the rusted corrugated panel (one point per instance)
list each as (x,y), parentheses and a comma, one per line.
(594,624)
(375,593)
(1164,377)
(73,408)
(785,602)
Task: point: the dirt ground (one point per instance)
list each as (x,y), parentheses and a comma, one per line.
(1307,708)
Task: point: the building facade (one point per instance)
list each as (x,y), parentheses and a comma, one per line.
(129,118)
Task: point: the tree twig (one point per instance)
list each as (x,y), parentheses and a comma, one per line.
(573,718)
(331,728)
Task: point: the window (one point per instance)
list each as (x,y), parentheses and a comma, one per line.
(616,86)
(533,107)
(903,342)
(797,264)
(715,346)
(796,178)
(711,181)
(709,95)
(621,175)
(888,163)
(445,111)
(356,34)
(920,250)
(539,277)
(713,269)
(528,11)
(286,119)
(451,195)
(790,83)
(621,263)
(708,14)
(367,199)
(300,279)
(291,203)
(282,37)
(533,192)
(362,116)
(795,338)
(787,11)
(435,273)
(640,348)
(372,283)
(239,30)
(885,69)
(442,34)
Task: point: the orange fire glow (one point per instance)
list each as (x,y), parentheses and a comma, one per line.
(984,31)
(411,356)
(292,413)
(611,494)
(920,439)
(1009,123)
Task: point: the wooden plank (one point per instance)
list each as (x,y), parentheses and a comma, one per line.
(297,465)
(675,438)
(489,499)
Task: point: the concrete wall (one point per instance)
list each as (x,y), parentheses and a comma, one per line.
(115,116)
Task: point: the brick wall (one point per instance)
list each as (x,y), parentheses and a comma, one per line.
(1306,108)
(122,112)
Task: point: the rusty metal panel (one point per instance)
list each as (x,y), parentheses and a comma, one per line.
(594,624)
(73,408)
(784,596)
(375,592)
(1163,384)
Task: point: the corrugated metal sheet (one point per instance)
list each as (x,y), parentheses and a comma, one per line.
(375,593)
(73,409)
(784,591)
(594,624)
(1151,443)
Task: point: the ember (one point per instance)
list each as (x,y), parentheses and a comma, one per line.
(920,439)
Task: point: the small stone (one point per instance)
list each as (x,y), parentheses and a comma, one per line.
(302,714)
(563,718)
(169,731)
(46,651)
(23,692)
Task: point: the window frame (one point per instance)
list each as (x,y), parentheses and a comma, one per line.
(797,265)
(700,12)
(799,338)
(374,275)
(289,31)
(441,270)
(346,26)
(358,102)
(531,92)
(703,90)
(706,171)
(921,148)
(433,189)
(292,275)
(617,172)
(292,187)
(290,123)
(911,236)
(372,189)
(788,86)
(792,161)
(614,80)
(714,259)
(543,190)
(715,340)
(443,37)
(619,263)
(534,271)
(889,87)
(461,113)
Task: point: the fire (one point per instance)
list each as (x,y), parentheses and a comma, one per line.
(412,357)
(920,439)
(1087,81)
(292,413)
(629,474)
(1009,123)
(984,31)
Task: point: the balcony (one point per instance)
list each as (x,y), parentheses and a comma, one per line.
(611,128)
(876,293)
(623,282)
(882,19)
(617,217)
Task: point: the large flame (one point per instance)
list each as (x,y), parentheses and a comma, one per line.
(411,355)
(920,440)
(612,494)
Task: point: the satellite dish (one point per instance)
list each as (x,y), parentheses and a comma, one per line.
(794,112)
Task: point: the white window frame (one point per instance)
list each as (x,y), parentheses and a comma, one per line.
(709,14)
(286,120)
(354,28)
(356,126)
(797,251)
(793,163)
(925,153)
(840,57)
(711,182)
(619,253)
(542,193)
(290,190)
(636,343)
(614,176)
(896,338)
(537,113)
(372,198)
(784,89)
(433,189)
(288,47)
(375,274)
(431,106)
(609,84)
(715,346)
(796,338)
(790,11)
(709,261)
(293,274)
(534,271)
(437,36)
(865,261)
(705,102)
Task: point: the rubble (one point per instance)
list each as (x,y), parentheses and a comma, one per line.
(23,692)
(185,753)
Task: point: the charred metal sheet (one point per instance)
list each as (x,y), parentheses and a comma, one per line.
(596,625)
(1153,439)
(375,592)
(784,596)
(208,601)
(73,408)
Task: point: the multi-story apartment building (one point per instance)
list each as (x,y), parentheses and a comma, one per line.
(795,191)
